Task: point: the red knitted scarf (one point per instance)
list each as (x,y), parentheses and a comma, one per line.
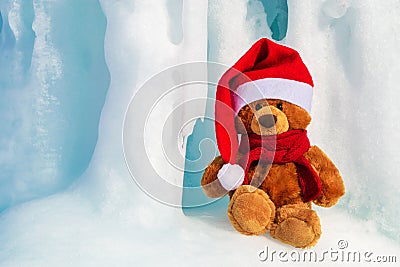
(282,148)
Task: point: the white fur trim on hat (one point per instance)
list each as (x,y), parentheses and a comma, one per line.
(295,92)
(231,176)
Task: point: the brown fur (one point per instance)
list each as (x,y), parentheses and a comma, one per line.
(297,117)
(248,202)
(297,225)
(332,183)
(210,183)
(249,211)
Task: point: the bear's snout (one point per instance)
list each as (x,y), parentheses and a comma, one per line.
(267,120)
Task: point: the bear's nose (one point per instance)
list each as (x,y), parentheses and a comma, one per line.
(267,120)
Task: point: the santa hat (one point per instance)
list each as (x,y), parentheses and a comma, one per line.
(267,70)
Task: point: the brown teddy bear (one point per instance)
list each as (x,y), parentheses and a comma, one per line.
(273,174)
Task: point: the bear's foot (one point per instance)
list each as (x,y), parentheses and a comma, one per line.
(251,211)
(297,225)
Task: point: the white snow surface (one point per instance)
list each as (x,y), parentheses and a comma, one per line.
(104,219)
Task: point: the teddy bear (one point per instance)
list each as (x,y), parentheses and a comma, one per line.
(267,165)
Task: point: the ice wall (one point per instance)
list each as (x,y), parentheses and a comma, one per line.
(277,18)
(53,81)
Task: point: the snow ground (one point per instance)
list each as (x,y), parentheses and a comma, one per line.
(67,230)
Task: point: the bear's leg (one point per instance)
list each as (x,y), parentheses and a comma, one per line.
(251,211)
(297,225)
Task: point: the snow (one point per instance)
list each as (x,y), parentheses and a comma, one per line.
(96,214)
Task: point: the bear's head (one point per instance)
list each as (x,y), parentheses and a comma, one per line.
(271,116)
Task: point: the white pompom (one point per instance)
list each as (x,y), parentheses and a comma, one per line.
(231,176)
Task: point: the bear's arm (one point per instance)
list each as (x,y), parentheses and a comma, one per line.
(331,180)
(209,182)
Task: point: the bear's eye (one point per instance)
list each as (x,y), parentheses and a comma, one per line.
(258,106)
(279,106)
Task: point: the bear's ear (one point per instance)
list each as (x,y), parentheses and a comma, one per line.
(298,118)
(240,126)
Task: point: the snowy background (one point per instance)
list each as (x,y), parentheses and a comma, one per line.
(68,69)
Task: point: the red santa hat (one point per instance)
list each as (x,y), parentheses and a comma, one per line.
(266,70)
